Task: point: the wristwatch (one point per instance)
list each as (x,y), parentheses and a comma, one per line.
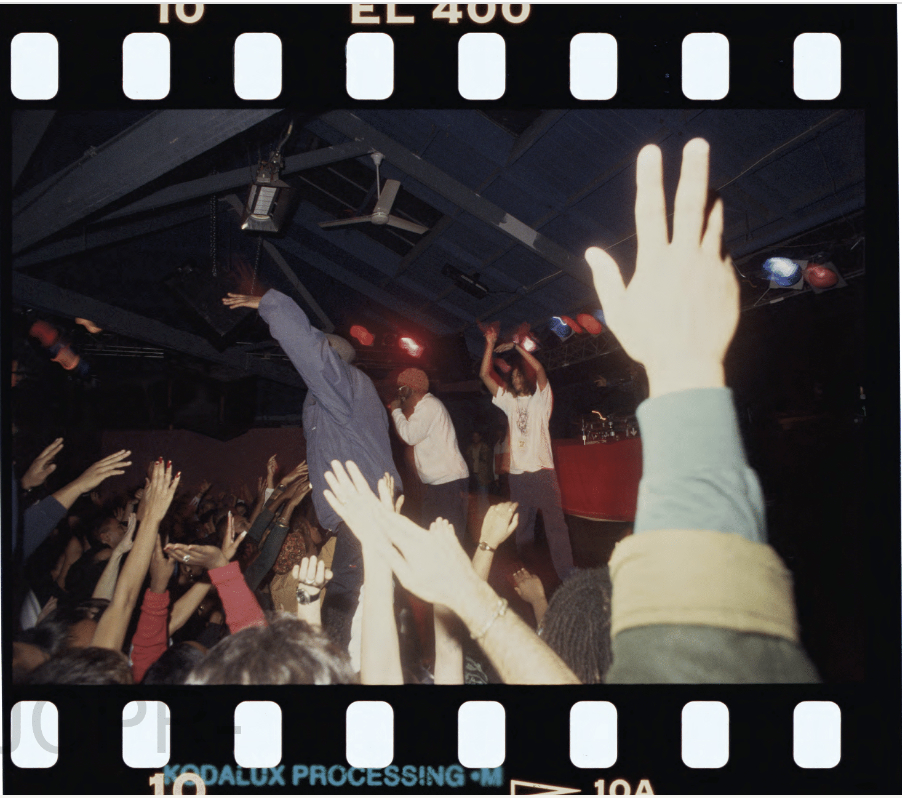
(304,597)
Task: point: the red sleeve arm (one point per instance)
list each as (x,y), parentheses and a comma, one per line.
(152,635)
(240,605)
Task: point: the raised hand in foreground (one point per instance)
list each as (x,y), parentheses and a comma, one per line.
(433,566)
(42,467)
(312,576)
(679,312)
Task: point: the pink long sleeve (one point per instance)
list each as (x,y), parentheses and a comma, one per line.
(151,638)
(240,605)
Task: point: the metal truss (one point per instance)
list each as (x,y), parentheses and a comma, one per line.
(577,350)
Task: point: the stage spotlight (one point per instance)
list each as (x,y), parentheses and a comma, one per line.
(784,273)
(590,324)
(410,346)
(363,335)
(269,197)
(823,277)
(572,324)
(560,328)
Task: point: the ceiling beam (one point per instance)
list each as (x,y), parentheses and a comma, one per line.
(28,128)
(69,304)
(387,299)
(435,179)
(420,247)
(159,143)
(76,245)
(238,178)
(532,134)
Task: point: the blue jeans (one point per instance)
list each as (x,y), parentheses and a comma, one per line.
(539,490)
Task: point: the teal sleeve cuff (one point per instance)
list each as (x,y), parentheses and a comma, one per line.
(695,473)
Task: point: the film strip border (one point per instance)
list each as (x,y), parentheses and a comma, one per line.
(538,58)
(448,54)
(649,740)
(481,66)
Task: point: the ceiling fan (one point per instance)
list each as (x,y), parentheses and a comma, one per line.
(381,212)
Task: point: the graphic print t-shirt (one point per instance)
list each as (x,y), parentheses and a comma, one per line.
(528,416)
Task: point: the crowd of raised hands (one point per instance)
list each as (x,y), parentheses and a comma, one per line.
(137,586)
(676,315)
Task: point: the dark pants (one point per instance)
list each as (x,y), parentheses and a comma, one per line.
(539,490)
(448,501)
(343,590)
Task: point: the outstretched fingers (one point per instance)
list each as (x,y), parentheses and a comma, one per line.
(651,208)
(692,194)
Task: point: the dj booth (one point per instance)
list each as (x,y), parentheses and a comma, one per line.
(598,480)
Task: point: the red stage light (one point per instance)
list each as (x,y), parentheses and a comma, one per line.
(572,324)
(821,276)
(363,335)
(591,325)
(410,346)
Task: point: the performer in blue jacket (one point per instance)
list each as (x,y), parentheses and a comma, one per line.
(344,419)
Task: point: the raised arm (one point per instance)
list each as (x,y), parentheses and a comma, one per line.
(109,466)
(42,467)
(40,519)
(380,650)
(320,366)
(696,579)
(106,585)
(435,568)
(151,637)
(161,488)
(498,525)
(486,370)
(541,377)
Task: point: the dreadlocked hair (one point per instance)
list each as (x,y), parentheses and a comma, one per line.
(577,623)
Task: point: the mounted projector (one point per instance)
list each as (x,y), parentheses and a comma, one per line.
(469,283)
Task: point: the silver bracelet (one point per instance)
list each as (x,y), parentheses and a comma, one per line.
(485,546)
(499,611)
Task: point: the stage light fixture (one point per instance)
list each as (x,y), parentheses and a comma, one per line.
(529,344)
(363,335)
(410,346)
(784,272)
(467,282)
(560,328)
(572,324)
(823,276)
(269,197)
(590,324)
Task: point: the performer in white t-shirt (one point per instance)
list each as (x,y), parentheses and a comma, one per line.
(533,481)
(422,421)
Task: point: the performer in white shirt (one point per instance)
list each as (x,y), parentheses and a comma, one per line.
(533,481)
(423,422)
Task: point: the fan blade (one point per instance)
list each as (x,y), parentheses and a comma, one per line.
(387,198)
(343,222)
(411,227)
